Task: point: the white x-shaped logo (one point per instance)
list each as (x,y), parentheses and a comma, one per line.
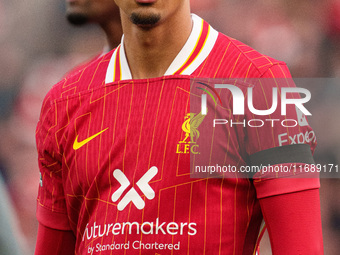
(132,195)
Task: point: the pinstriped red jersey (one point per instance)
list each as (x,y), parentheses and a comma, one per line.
(114,155)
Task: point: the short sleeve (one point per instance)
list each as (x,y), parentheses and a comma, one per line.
(51,207)
(280,143)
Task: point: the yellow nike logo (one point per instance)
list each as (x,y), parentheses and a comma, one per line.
(77,145)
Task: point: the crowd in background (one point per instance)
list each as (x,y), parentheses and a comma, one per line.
(38,46)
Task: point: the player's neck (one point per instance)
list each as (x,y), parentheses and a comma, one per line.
(150,52)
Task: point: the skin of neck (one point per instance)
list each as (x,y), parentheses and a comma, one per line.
(150,51)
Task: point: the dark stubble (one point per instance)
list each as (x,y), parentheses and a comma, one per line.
(149,20)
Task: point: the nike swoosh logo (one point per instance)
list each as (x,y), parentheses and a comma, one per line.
(77,145)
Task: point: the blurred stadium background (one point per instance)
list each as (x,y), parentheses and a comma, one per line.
(38,46)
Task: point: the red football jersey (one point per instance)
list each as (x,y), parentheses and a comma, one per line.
(115,154)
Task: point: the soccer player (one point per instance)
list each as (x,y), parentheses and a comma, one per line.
(116,140)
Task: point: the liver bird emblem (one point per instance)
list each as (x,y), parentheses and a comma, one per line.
(190,127)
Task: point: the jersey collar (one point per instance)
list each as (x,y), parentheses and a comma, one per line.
(197,48)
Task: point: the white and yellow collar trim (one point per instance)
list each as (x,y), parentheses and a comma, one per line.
(197,48)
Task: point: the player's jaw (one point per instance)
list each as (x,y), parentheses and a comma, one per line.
(143,13)
(150,13)
(145,19)
(146,14)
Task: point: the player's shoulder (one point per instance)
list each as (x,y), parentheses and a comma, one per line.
(84,78)
(82,65)
(243,59)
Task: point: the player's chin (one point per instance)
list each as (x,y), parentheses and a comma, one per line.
(145,20)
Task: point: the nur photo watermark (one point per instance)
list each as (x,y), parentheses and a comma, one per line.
(253,128)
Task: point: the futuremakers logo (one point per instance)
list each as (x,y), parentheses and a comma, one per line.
(132,195)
